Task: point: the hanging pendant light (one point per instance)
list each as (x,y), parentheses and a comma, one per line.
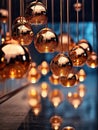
(65,41)
(46,41)
(85,45)
(56,97)
(69,80)
(56,122)
(61,65)
(36,13)
(37,109)
(15,60)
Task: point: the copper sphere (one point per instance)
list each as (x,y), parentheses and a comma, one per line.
(61,65)
(92,60)
(69,80)
(56,122)
(56,97)
(67,44)
(86,46)
(3,15)
(77,6)
(46,41)
(68,128)
(22,31)
(78,56)
(14,60)
(36,13)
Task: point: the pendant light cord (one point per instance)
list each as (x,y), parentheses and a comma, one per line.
(68,23)
(83,17)
(52,5)
(93,20)
(21,7)
(9,18)
(77,27)
(61,23)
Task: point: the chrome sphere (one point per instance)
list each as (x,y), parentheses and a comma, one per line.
(60,65)
(86,46)
(46,41)
(14,60)
(22,31)
(78,56)
(36,13)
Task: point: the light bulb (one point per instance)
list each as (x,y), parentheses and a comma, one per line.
(44,68)
(81,89)
(44,90)
(81,75)
(68,128)
(3,15)
(36,13)
(60,65)
(46,41)
(54,79)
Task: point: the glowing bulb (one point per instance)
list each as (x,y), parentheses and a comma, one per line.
(44,68)
(81,75)
(81,89)
(54,79)
(68,128)
(44,89)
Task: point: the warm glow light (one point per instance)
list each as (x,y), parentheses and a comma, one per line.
(44,68)
(68,128)
(44,89)
(81,89)
(54,79)
(56,122)
(81,75)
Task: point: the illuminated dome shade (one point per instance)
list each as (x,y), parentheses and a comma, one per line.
(61,65)
(36,13)
(14,60)
(78,56)
(67,44)
(86,46)
(46,41)
(22,31)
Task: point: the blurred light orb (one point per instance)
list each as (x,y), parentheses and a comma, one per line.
(61,65)
(68,128)
(81,89)
(14,60)
(36,13)
(54,79)
(22,31)
(44,68)
(37,109)
(77,6)
(81,75)
(75,99)
(46,41)
(56,97)
(56,122)
(92,60)
(67,42)
(44,89)
(78,56)
(86,46)
(69,80)
(3,15)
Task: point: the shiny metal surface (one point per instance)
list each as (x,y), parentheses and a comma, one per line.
(60,65)
(22,31)
(46,41)
(36,13)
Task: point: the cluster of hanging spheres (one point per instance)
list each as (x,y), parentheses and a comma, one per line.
(15,58)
